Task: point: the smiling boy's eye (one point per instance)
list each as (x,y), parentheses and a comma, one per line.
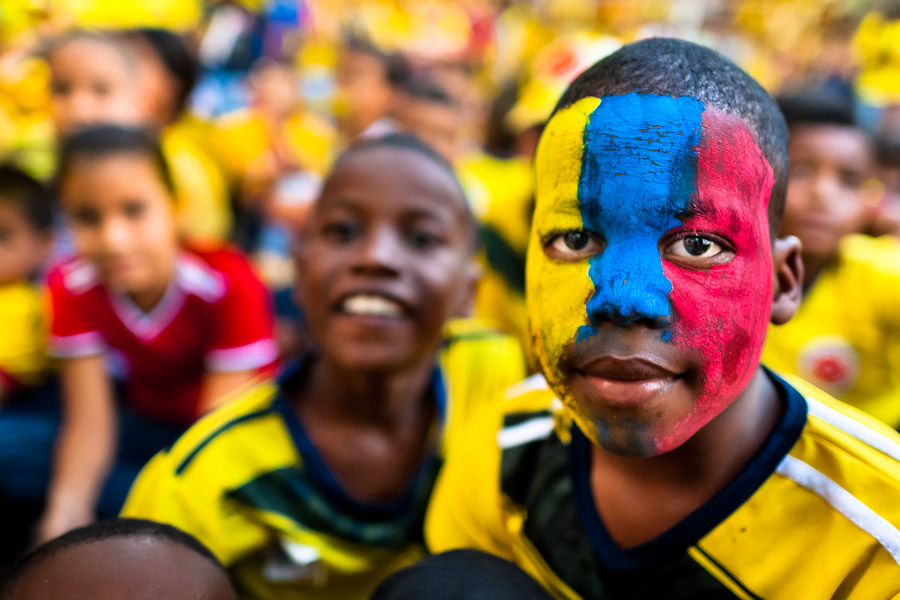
(573,245)
(340,231)
(698,251)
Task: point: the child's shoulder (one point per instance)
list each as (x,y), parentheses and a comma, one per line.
(245,434)
(842,448)
(211,270)
(74,275)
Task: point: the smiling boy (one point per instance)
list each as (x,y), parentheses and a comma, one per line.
(655,457)
(316,487)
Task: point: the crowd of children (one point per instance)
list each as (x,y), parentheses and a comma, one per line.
(640,341)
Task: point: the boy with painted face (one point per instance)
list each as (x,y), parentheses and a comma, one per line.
(845,338)
(671,465)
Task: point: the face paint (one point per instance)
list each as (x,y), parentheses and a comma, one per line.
(649,273)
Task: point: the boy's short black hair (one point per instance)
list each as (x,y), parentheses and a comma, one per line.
(176,57)
(29,195)
(810,107)
(102,530)
(409,141)
(105,140)
(672,67)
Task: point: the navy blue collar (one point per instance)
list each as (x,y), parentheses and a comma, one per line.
(706,518)
(319,473)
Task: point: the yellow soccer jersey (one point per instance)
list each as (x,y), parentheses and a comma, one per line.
(23,352)
(814,515)
(250,485)
(846,336)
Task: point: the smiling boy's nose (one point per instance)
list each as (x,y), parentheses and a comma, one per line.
(381,251)
(629,285)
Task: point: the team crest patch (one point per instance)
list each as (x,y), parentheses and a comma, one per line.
(829,362)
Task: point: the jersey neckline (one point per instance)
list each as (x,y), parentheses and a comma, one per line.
(705,518)
(420,485)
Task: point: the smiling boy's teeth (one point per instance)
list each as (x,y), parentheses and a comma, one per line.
(372,305)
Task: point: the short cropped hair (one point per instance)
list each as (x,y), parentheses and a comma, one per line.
(102,530)
(29,196)
(672,67)
(397,70)
(105,140)
(811,107)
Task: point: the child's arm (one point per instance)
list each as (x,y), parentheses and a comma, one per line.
(216,386)
(85,447)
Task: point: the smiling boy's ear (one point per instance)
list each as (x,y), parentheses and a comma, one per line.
(787,288)
(463,305)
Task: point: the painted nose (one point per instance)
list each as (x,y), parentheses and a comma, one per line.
(629,285)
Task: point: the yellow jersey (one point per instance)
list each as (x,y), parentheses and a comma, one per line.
(23,351)
(815,513)
(846,336)
(247,482)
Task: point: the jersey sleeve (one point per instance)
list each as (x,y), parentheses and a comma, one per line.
(73,334)
(163,493)
(244,333)
(465,510)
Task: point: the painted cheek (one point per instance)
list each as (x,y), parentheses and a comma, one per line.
(722,314)
(557,291)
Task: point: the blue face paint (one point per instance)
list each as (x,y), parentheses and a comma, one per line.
(637,178)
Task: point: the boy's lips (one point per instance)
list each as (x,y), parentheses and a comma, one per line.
(622,382)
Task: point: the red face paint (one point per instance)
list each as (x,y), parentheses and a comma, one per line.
(721,314)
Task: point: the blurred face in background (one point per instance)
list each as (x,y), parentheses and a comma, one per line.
(364,92)
(93,80)
(123,220)
(435,123)
(826,196)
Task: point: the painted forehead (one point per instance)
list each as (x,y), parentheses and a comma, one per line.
(644,153)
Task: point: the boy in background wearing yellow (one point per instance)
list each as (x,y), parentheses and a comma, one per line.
(845,338)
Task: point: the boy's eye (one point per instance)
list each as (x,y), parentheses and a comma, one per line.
(85,217)
(340,231)
(58,88)
(101,89)
(134,210)
(698,251)
(573,245)
(422,240)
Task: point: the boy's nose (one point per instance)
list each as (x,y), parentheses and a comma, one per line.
(629,285)
(381,251)
(114,234)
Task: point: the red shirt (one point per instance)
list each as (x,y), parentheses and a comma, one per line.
(214,317)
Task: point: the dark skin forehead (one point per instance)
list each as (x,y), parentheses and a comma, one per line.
(414,177)
(138,568)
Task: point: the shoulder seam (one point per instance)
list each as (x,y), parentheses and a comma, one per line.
(186,461)
(851,507)
(854,428)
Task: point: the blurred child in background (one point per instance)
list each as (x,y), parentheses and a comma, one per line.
(181,327)
(26,226)
(26,222)
(316,487)
(370,87)
(433,115)
(846,336)
(142,78)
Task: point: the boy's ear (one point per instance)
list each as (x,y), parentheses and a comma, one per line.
(787,288)
(473,274)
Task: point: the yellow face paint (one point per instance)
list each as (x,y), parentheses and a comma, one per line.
(557,292)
